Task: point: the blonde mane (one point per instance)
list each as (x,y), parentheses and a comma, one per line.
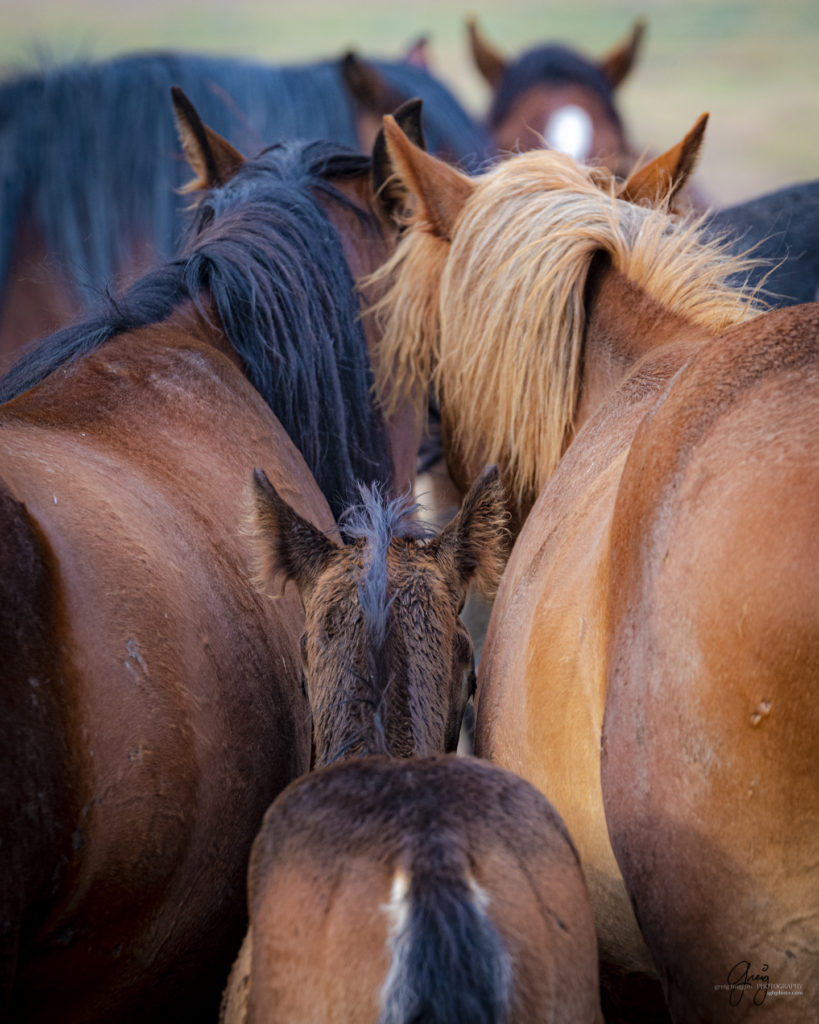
(495,319)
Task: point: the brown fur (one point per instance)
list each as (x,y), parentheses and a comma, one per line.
(525,122)
(412,698)
(322,875)
(151,699)
(343,854)
(664,578)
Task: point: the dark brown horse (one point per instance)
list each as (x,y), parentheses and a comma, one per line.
(150,700)
(406,887)
(90,165)
(552,95)
(654,643)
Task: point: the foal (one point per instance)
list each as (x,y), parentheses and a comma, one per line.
(392,885)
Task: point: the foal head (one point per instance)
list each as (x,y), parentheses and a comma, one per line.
(387,661)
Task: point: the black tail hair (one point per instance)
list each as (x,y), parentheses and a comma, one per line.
(449,963)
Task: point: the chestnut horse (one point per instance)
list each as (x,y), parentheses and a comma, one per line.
(90,164)
(660,604)
(151,700)
(393,885)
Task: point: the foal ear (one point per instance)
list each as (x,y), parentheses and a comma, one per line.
(487,59)
(213,160)
(619,62)
(388,189)
(290,546)
(665,176)
(478,540)
(440,191)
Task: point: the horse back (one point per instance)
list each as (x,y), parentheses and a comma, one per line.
(364,873)
(710,762)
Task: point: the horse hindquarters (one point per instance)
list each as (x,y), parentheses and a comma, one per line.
(440,889)
(710,762)
(36,780)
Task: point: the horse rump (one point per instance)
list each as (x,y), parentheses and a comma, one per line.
(449,962)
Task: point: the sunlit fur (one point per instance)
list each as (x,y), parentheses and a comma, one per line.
(495,321)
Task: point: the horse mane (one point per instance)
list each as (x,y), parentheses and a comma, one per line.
(264,255)
(375,522)
(500,312)
(89,150)
(551,64)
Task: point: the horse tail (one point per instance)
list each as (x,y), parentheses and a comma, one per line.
(449,963)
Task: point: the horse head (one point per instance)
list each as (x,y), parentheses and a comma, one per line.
(388,663)
(551,95)
(490,274)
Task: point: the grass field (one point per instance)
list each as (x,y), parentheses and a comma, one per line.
(753,63)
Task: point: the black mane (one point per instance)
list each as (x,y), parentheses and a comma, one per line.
(267,257)
(553,65)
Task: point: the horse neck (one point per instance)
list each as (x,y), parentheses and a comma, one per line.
(201,321)
(361,723)
(389,716)
(623,325)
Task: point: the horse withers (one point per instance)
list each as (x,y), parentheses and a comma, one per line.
(151,701)
(395,884)
(650,659)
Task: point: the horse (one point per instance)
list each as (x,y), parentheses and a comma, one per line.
(397,882)
(781,229)
(554,95)
(89,172)
(151,700)
(650,652)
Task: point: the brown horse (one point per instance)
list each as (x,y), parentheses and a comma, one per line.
(405,887)
(150,700)
(666,575)
(553,95)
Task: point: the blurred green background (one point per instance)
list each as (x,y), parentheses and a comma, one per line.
(754,64)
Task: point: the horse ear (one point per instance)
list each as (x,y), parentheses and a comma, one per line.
(213,160)
(440,191)
(290,546)
(367,85)
(417,55)
(662,179)
(487,59)
(390,191)
(478,539)
(619,62)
